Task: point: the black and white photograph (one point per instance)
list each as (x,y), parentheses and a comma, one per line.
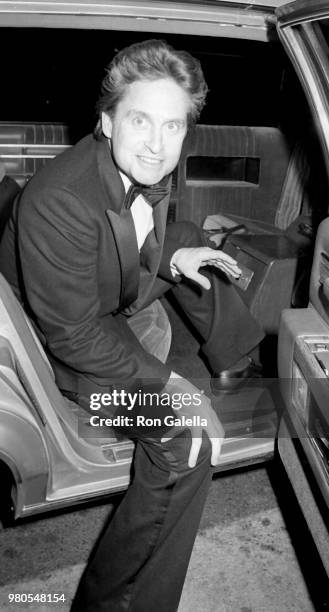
(164,306)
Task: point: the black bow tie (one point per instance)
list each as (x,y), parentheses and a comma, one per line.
(153,195)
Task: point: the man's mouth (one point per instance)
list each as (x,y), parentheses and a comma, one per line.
(152,161)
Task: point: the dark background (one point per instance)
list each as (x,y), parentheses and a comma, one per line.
(54,75)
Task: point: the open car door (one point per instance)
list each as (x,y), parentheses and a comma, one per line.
(303,354)
(303,30)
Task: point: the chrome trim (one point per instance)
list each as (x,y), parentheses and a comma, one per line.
(302,10)
(160,16)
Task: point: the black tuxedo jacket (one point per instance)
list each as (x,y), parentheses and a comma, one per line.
(78,265)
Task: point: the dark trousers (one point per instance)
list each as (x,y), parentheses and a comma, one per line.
(141,559)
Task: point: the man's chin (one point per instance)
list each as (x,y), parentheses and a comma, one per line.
(148,181)
(147,177)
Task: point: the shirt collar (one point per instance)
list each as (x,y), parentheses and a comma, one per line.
(126,181)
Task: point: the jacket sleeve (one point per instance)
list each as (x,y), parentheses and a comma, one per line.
(58,244)
(169,248)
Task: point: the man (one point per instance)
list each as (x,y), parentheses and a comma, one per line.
(92,253)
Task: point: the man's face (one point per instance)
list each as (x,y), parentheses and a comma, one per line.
(148,129)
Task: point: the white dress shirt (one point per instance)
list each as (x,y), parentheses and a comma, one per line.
(142,214)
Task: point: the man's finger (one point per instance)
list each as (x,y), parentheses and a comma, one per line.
(194,452)
(221,256)
(227,269)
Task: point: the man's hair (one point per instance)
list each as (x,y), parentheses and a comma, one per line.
(151,60)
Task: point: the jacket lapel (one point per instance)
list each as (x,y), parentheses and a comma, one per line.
(152,248)
(126,242)
(122,224)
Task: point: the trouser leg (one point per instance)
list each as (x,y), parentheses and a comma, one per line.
(228,331)
(141,560)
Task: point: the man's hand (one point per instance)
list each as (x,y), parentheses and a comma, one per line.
(213,428)
(187,261)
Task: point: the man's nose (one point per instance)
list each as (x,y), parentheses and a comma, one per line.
(154,140)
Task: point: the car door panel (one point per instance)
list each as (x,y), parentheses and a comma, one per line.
(303,352)
(234,170)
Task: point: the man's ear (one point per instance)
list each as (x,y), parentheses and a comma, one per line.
(106,125)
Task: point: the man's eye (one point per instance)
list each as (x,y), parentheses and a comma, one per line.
(173,127)
(139,122)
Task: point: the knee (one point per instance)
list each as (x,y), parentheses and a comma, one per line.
(172,456)
(179,453)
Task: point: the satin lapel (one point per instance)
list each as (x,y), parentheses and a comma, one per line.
(126,242)
(121,222)
(151,250)
(160,213)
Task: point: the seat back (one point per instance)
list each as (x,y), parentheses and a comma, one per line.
(233,170)
(26,147)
